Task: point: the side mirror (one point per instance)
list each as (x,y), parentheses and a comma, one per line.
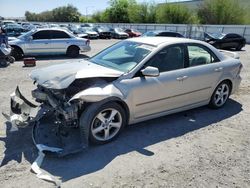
(150,71)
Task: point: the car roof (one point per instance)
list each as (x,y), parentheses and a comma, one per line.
(156,41)
(51,29)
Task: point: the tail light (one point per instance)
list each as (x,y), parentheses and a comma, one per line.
(87,42)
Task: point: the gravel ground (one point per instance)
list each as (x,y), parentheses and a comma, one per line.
(195,148)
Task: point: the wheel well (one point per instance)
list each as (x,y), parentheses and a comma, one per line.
(116,100)
(73,46)
(125,107)
(14,46)
(229,82)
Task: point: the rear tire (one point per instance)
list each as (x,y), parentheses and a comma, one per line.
(17,53)
(73,51)
(239,47)
(220,95)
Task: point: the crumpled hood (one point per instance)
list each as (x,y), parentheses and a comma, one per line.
(62,75)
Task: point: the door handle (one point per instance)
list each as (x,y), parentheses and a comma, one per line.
(182,78)
(185,77)
(46,43)
(218,69)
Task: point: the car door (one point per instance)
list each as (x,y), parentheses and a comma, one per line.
(230,41)
(153,95)
(201,76)
(60,41)
(39,44)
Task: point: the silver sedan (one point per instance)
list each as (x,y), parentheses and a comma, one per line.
(132,81)
(49,41)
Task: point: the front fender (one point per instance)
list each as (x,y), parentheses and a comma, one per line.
(98,93)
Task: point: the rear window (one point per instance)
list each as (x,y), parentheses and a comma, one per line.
(59,35)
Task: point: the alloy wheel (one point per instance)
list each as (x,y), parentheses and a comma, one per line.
(221,94)
(106,124)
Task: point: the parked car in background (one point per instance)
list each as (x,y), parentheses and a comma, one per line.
(87,25)
(133,32)
(54,25)
(91,34)
(38,25)
(28,26)
(6,22)
(118,33)
(14,30)
(149,77)
(74,28)
(225,41)
(103,32)
(48,42)
(162,34)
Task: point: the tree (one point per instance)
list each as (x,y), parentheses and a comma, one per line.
(221,12)
(118,11)
(67,13)
(174,14)
(142,13)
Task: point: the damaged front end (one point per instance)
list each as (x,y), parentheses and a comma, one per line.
(55,121)
(63,92)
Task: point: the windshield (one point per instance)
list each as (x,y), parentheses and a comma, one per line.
(101,29)
(149,34)
(87,29)
(136,31)
(118,30)
(123,56)
(216,35)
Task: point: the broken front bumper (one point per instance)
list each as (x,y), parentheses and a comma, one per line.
(47,130)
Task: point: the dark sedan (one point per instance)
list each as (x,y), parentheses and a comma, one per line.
(103,32)
(162,34)
(225,41)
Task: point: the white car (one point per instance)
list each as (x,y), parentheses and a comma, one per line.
(132,81)
(48,42)
(91,34)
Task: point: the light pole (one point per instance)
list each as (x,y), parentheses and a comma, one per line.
(87,12)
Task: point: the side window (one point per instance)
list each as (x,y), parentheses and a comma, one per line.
(232,36)
(199,56)
(59,35)
(170,58)
(41,35)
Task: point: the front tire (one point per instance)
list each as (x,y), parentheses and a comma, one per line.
(73,51)
(220,95)
(3,63)
(17,53)
(102,123)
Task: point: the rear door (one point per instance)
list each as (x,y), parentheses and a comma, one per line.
(60,41)
(201,74)
(39,44)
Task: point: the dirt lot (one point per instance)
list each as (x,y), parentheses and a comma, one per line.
(196,148)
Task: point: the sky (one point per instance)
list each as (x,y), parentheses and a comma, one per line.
(17,8)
